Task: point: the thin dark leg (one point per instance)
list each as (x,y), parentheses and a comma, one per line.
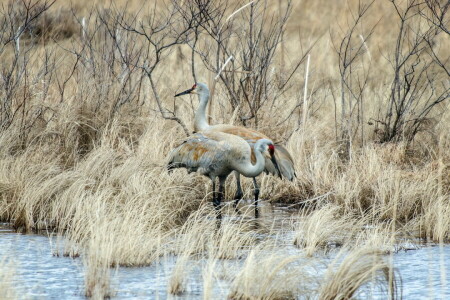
(214,190)
(220,196)
(256,190)
(217,198)
(238,195)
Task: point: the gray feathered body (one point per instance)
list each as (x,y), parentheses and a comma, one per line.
(210,153)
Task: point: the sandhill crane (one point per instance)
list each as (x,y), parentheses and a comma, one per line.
(217,154)
(285,161)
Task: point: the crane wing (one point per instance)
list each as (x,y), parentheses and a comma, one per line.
(249,135)
(198,152)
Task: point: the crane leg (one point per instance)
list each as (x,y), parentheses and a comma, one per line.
(218,199)
(214,194)
(239,194)
(256,191)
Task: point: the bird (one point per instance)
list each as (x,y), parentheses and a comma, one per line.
(216,155)
(285,167)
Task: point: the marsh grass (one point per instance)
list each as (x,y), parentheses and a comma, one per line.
(97,263)
(324,228)
(378,237)
(201,238)
(209,276)
(86,160)
(269,274)
(353,271)
(7,277)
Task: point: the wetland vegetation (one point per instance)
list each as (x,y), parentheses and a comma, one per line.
(357,91)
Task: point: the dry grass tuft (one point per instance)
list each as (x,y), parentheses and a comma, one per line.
(323,229)
(379,238)
(434,224)
(97,263)
(353,272)
(7,278)
(269,274)
(199,237)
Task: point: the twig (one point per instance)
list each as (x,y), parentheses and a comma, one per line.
(83,28)
(365,46)
(19,33)
(235,12)
(223,67)
(305,92)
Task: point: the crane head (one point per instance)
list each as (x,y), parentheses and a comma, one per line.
(271,149)
(192,90)
(267,145)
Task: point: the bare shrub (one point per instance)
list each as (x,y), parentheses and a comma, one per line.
(416,89)
(354,69)
(148,40)
(417,80)
(50,25)
(237,43)
(16,82)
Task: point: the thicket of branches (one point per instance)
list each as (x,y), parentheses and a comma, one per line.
(418,80)
(238,43)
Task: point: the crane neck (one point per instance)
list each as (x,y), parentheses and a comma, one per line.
(249,170)
(200,122)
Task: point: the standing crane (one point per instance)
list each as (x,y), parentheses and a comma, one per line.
(217,154)
(286,163)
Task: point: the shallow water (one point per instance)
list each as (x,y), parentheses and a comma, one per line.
(38,274)
(425,272)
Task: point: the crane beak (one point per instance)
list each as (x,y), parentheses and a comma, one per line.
(189,91)
(275,163)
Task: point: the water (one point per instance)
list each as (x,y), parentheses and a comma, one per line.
(38,274)
(425,272)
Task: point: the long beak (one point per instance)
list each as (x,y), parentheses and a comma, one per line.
(275,163)
(185,92)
